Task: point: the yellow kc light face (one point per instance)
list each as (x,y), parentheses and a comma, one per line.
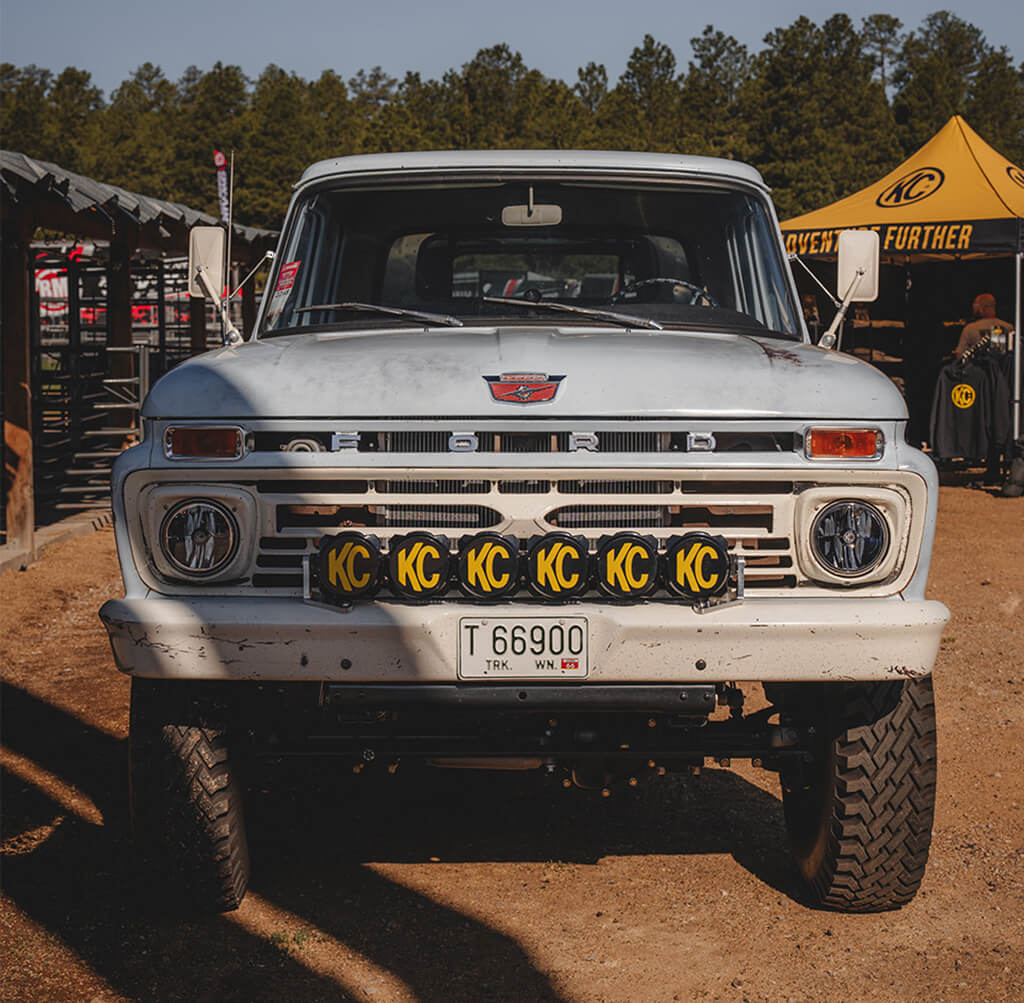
(558,566)
(349,565)
(627,565)
(489,566)
(697,565)
(418,565)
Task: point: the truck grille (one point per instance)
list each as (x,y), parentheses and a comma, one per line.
(756,517)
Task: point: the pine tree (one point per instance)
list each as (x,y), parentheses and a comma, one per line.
(642,111)
(591,86)
(25,110)
(882,38)
(711,122)
(280,130)
(134,146)
(948,68)
(209,114)
(818,125)
(338,126)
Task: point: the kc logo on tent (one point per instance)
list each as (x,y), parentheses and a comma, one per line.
(912,187)
(1016,175)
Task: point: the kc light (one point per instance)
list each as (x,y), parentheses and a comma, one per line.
(489,566)
(418,565)
(849,538)
(626,565)
(558,565)
(843,443)
(199,537)
(350,566)
(697,565)
(216,442)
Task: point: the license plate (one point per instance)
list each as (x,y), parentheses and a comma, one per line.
(523,648)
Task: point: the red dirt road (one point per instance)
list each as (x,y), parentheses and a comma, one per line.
(465,886)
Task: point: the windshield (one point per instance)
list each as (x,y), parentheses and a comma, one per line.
(659,255)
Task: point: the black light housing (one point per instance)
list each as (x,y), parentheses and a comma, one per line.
(489,566)
(696,565)
(626,565)
(419,565)
(558,565)
(850,538)
(199,537)
(350,566)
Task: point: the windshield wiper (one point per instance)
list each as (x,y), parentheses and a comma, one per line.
(430,318)
(625,319)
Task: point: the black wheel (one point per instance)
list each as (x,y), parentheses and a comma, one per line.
(186,798)
(860,815)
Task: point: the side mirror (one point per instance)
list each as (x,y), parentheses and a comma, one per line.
(206,257)
(858,266)
(206,247)
(858,277)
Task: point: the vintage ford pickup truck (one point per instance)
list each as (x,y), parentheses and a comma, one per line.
(529,463)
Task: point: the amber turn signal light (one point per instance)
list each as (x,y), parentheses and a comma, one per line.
(841,443)
(195,443)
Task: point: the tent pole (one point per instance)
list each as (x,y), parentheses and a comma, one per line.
(1017,349)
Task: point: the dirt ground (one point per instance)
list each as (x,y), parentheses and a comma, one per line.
(481,887)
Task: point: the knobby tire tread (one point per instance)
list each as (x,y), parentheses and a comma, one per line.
(880,800)
(186,801)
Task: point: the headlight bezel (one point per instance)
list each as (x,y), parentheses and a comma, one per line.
(157,500)
(893,506)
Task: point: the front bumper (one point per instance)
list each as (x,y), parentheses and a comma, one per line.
(757,640)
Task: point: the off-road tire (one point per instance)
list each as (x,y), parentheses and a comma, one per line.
(860,816)
(186,799)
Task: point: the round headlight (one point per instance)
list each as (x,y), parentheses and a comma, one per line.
(849,538)
(199,538)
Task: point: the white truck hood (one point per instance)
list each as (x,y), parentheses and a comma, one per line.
(607,373)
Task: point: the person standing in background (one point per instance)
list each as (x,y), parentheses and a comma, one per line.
(986,322)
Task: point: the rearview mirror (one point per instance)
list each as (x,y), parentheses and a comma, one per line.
(531,215)
(206,251)
(858,266)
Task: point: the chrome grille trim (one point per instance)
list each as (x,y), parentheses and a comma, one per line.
(534,437)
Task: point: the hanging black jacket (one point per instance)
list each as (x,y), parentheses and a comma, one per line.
(1000,432)
(962,412)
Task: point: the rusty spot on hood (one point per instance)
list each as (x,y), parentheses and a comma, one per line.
(774,353)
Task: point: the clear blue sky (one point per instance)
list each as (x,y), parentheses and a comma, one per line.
(110,38)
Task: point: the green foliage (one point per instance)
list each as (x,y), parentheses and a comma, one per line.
(134,147)
(948,68)
(882,38)
(24,108)
(280,131)
(819,126)
(642,111)
(711,120)
(821,109)
(209,114)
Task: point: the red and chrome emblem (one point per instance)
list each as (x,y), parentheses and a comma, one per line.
(523,388)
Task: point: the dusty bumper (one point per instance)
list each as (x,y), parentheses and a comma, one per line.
(288,639)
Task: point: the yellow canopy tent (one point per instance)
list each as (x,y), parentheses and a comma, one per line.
(954,198)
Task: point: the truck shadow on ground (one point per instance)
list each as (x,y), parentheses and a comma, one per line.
(77,879)
(313,832)
(456,816)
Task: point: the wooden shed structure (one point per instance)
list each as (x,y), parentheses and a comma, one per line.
(36,195)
